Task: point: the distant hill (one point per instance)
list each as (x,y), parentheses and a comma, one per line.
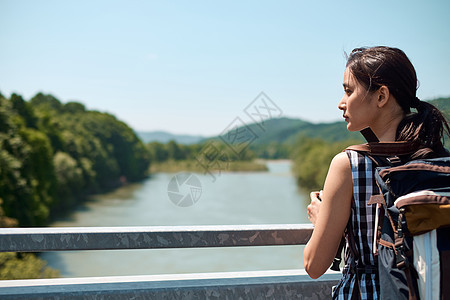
(286,130)
(165,137)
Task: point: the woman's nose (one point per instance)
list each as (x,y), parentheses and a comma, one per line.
(341,104)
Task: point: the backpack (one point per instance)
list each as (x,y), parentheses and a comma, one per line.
(412,224)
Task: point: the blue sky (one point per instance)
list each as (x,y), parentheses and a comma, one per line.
(193,66)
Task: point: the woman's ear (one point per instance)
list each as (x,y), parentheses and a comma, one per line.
(382,96)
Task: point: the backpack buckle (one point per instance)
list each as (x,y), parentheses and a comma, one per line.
(394,160)
(400,259)
(336,263)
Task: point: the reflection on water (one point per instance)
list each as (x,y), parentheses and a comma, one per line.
(234,198)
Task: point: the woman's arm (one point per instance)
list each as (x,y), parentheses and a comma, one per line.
(332,218)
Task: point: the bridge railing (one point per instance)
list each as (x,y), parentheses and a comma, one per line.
(282,284)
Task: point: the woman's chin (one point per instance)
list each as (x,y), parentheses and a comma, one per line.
(352,128)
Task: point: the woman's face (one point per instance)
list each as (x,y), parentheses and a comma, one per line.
(359,109)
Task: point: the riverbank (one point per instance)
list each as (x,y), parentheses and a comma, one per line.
(172,166)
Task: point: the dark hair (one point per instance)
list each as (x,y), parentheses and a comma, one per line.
(377,66)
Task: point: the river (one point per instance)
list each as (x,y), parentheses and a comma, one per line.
(232,198)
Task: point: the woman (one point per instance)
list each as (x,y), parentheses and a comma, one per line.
(379,91)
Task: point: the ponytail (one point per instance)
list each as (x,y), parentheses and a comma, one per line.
(426,129)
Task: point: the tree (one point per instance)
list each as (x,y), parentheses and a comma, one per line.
(24,266)
(174,151)
(158,152)
(74,107)
(47,102)
(24,110)
(312,158)
(69,178)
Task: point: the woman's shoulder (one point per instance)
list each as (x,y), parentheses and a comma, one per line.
(341,157)
(358,160)
(341,162)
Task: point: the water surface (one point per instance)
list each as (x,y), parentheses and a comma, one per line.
(233,198)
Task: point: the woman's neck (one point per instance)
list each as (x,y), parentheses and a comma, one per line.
(386,128)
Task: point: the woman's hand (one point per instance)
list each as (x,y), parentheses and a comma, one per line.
(314,207)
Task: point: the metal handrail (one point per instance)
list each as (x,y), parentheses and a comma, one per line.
(40,239)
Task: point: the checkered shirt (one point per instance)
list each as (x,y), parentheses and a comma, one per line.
(363,222)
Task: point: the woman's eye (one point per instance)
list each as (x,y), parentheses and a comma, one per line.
(347,91)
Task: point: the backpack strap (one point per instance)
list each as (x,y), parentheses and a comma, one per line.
(354,265)
(403,261)
(385,148)
(338,257)
(386,153)
(374,147)
(369,135)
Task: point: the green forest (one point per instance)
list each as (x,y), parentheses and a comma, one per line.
(53,155)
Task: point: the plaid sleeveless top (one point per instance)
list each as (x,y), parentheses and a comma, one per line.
(363,222)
